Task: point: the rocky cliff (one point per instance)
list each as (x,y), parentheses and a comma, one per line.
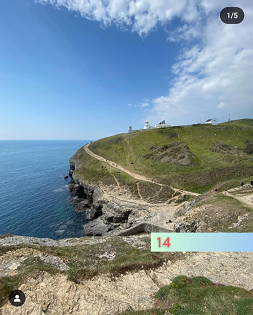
(109,208)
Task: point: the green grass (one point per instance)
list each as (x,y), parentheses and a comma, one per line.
(85,263)
(234,183)
(199,296)
(241,122)
(209,167)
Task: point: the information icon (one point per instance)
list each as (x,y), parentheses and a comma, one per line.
(17,298)
(232,15)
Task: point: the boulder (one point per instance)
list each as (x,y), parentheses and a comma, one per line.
(95,228)
(83,205)
(116,217)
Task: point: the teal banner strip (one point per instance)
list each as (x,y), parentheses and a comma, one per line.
(201,242)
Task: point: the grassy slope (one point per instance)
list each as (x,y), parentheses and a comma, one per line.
(90,170)
(199,296)
(210,167)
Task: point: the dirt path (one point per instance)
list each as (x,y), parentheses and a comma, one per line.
(247,199)
(119,167)
(138,189)
(117,182)
(134,175)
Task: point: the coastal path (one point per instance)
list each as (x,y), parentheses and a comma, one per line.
(134,175)
(246,198)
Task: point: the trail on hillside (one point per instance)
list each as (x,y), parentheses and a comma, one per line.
(117,182)
(138,190)
(134,175)
(119,167)
(247,199)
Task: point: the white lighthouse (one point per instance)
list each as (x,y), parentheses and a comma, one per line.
(146,125)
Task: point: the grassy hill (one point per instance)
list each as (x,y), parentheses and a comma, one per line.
(193,158)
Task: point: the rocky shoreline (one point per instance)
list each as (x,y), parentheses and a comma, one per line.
(108,214)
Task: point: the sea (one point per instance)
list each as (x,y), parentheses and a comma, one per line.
(34,196)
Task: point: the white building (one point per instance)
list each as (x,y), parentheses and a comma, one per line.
(162,124)
(147,125)
(212,121)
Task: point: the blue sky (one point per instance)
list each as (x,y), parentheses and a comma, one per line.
(72,69)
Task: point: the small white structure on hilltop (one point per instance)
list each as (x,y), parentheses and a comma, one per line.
(212,121)
(147,125)
(162,124)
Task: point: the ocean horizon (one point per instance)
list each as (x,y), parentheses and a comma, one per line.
(34,196)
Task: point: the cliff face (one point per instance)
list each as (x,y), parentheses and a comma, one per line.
(107,215)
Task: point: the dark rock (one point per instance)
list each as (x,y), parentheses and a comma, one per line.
(186,227)
(66,176)
(95,227)
(79,192)
(83,205)
(117,217)
(71,173)
(96,211)
(72,167)
(71,187)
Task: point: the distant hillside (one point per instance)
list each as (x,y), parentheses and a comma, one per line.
(194,158)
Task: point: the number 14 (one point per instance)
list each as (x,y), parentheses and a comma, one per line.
(166,243)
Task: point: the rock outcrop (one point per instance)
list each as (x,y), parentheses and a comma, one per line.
(105,216)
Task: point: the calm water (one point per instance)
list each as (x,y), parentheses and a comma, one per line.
(34,197)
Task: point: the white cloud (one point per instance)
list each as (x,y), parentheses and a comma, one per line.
(217,70)
(221,105)
(141,15)
(143,104)
(215,66)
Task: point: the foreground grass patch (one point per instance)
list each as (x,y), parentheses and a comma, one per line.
(90,260)
(199,296)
